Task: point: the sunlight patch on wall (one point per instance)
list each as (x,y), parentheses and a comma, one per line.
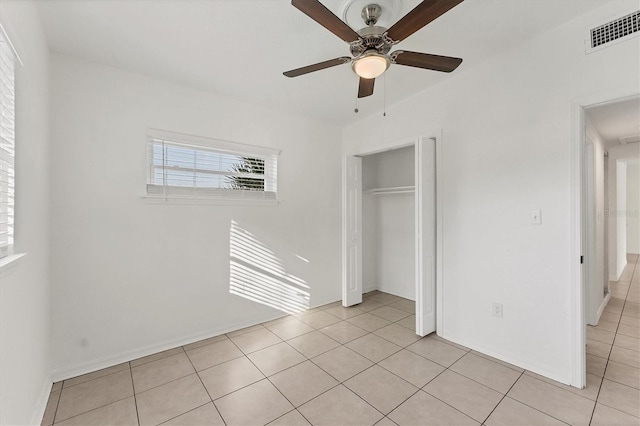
(258,275)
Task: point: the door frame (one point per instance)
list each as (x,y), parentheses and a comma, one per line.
(416,142)
(595,297)
(578,225)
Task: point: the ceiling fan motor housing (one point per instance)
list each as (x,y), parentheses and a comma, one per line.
(371,39)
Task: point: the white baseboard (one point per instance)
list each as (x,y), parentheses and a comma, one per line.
(63,373)
(514,360)
(603,305)
(621,270)
(395,292)
(615,276)
(41,405)
(367,289)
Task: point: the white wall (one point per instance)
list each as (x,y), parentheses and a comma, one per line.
(389,223)
(617,248)
(25,379)
(133,277)
(506,150)
(633,207)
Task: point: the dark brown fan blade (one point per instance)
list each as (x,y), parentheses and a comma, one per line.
(323,16)
(425,60)
(317,67)
(366,87)
(420,16)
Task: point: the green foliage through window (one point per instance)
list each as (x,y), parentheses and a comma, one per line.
(247,166)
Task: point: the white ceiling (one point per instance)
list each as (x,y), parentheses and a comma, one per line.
(616,120)
(239,48)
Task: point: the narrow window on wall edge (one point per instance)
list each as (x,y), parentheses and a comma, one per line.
(197,168)
(7,143)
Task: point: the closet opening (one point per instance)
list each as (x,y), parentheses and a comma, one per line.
(388,222)
(389,227)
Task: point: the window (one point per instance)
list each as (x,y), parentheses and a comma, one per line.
(182,166)
(7,144)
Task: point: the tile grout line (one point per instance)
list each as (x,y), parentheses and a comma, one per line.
(434,378)
(186,412)
(401,347)
(449,369)
(135,400)
(339,382)
(503,397)
(604,373)
(55,413)
(93,409)
(95,378)
(269,380)
(467,351)
(286,414)
(205,388)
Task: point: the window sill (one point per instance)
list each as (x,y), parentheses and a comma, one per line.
(207,201)
(10,259)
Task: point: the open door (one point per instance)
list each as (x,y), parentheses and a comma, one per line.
(352,231)
(425,236)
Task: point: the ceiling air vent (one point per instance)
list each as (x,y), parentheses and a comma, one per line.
(617,30)
(629,139)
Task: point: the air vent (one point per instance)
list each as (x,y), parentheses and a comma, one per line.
(629,139)
(617,30)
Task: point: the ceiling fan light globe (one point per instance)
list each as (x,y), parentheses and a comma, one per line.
(371,66)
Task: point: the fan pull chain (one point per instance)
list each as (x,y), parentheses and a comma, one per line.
(356,110)
(384,106)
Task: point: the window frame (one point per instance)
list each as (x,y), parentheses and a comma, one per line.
(7,194)
(203,195)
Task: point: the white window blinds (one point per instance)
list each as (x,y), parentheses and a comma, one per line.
(7,144)
(182,166)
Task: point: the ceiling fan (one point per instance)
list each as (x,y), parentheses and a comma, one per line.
(370,46)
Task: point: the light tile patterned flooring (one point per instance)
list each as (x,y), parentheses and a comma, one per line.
(362,366)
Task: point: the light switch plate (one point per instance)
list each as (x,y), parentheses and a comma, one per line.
(536,217)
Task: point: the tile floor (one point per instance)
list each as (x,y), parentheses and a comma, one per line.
(362,365)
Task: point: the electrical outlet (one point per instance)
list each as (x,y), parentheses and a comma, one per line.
(496,310)
(536,217)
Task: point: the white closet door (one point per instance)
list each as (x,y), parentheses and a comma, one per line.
(352,232)
(425,236)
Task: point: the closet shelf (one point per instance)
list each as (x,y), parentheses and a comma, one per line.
(390,190)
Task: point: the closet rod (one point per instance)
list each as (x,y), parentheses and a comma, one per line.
(391,190)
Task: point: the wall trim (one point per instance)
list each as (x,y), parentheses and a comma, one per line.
(530,365)
(395,292)
(64,373)
(439,233)
(620,269)
(41,404)
(614,277)
(603,305)
(368,288)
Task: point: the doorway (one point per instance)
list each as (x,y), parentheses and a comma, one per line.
(389,204)
(621,114)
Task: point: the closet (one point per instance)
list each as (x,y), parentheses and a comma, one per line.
(388,222)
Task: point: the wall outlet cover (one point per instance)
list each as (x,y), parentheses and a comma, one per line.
(496,309)
(536,217)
